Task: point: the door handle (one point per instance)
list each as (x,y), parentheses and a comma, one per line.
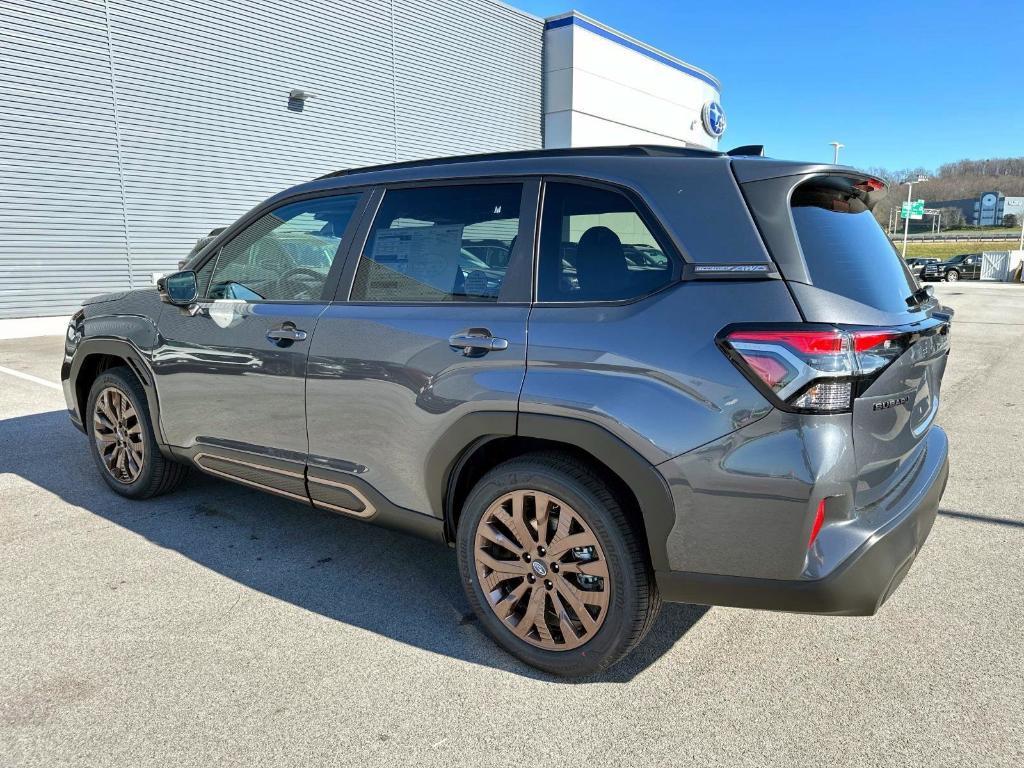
(477,341)
(286,333)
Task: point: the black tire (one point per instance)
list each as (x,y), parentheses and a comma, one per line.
(952,276)
(634,602)
(158,474)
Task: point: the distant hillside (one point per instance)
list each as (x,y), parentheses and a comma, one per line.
(953,181)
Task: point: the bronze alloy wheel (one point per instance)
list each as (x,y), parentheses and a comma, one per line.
(118,434)
(542,570)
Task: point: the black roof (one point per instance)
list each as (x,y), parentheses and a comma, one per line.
(632,150)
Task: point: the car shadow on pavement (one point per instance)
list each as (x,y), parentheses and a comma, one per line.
(389,583)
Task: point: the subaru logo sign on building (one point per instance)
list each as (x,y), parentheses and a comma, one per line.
(714,118)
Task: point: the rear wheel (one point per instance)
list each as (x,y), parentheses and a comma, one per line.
(552,567)
(123,441)
(952,276)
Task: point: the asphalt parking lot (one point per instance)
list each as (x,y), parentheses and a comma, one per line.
(219,626)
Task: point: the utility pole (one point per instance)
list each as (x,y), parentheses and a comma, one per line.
(906,221)
(836,146)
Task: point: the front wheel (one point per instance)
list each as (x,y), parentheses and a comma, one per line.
(952,276)
(553,569)
(123,441)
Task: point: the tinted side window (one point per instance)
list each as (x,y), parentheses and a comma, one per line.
(846,251)
(596,247)
(286,254)
(446,243)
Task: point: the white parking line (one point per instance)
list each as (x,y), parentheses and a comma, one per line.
(30,377)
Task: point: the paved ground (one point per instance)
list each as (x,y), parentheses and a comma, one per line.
(223,627)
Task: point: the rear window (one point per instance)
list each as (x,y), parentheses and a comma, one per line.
(845,250)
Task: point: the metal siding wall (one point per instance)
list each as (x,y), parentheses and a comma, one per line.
(62,233)
(467,74)
(201,90)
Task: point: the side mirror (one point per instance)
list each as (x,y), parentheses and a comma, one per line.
(179,289)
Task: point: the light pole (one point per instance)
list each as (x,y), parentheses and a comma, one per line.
(836,146)
(906,221)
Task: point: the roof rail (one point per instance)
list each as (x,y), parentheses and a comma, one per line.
(630,150)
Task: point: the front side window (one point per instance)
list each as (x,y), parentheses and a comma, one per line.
(437,244)
(286,254)
(595,246)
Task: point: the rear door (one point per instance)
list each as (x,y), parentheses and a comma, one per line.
(429,327)
(844,270)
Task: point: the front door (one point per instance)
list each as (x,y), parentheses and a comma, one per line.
(230,371)
(434,329)
(972,267)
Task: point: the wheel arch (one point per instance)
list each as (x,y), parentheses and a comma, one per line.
(94,356)
(485,440)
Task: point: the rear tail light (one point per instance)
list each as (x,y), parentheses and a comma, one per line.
(814,370)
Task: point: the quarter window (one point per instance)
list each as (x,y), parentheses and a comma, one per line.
(438,244)
(285,255)
(595,246)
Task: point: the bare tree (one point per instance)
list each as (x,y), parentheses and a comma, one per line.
(952,218)
(962,180)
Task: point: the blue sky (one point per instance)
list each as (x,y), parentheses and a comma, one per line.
(796,75)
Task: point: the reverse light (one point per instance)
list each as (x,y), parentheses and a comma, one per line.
(814,370)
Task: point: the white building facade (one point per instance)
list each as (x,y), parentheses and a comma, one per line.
(602,87)
(131,128)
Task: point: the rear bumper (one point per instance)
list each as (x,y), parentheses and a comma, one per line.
(856,587)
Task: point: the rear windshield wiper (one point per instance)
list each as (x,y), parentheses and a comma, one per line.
(920,296)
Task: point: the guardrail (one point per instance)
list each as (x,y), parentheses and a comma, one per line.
(961,237)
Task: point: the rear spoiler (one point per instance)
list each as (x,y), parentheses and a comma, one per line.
(869,189)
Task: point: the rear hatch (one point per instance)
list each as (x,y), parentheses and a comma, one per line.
(889,338)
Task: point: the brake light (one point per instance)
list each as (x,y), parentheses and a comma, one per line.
(871,185)
(802,341)
(814,370)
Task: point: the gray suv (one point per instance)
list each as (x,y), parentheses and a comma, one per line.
(607,377)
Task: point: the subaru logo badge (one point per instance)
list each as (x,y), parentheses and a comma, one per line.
(540,569)
(713,117)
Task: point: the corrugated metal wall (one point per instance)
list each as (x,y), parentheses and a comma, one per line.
(62,228)
(130,128)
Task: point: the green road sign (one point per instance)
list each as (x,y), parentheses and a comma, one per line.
(912,210)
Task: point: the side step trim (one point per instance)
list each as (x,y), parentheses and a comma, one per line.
(204,461)
(368,509)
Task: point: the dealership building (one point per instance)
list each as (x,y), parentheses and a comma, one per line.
(988,209)
(131,128)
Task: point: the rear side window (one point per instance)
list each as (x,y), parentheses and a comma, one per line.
(438,244)
(845,250)
(595,246)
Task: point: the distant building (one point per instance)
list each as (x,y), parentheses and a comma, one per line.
(986,210)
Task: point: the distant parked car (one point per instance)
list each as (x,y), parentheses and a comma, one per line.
(201,243)
(967,266)
(917,265)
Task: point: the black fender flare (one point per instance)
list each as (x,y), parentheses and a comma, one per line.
(468,434)
(136,362)
(450,453)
